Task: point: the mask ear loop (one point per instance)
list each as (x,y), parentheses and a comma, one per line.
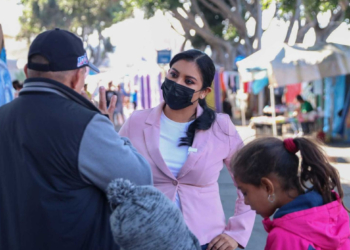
(198,98)
(192,96)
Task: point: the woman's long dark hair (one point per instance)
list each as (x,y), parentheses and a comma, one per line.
(207,70)
(264,156)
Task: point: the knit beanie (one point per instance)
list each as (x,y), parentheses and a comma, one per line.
(145,219)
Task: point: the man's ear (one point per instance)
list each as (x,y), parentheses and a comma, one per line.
(26,70)
(78,79)
(267,185)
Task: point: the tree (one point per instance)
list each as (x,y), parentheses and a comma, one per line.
(305,14)
(221,24)
(83,17)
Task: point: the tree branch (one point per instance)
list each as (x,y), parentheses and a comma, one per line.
(274,15)
(303,30)
(207,35)
(239,6)
(233,3)
(178,32)
(338,16)
(249,7)
(200,13)
(235,18)
(296,16)
(210,6)
(344,4)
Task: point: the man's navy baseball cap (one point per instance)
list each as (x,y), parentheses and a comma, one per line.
(63,50)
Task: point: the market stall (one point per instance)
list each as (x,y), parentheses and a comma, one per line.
(285,65)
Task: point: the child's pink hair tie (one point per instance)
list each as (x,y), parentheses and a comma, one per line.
(290,145)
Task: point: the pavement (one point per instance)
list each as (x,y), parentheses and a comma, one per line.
(339,155)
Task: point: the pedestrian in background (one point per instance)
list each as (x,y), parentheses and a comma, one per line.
(187,144)
(306,116)
(306,205)
(17,86)
(58,153)
(88,94)
(118,114)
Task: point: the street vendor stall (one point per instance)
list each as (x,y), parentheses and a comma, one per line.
(285,65)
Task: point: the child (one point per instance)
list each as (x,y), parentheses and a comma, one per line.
(310,214)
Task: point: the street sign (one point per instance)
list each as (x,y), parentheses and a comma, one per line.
(164,56)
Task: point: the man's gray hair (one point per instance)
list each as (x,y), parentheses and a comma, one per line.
(60,76)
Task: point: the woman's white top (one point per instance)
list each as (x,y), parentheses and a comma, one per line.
(173,155)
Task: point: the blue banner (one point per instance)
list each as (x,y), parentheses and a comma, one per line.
(164,56)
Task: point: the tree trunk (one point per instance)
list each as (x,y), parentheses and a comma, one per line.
(224,56)
(296,17)
(97,52)
(218,55)
(259,30)
(302,32)
(183,45)
(323,34)
(230,59)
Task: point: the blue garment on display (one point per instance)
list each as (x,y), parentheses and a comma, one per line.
(342,128)
(339,100)
(338,92)
(6,94)
(259,85)
(327,102)
(3,55)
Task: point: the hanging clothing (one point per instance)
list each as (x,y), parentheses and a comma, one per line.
(259,84)
(292,92)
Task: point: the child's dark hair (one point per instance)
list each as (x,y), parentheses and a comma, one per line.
(264,156)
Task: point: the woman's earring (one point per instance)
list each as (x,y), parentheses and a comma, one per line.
(271,198)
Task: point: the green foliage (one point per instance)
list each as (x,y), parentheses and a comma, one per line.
(151,6)
(90,15)
(86,16)
(266,4)
(311,7)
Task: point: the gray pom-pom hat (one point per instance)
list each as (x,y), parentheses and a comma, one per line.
(145,219)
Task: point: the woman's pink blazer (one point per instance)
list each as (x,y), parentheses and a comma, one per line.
(197,182)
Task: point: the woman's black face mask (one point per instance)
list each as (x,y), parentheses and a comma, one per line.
(177,96)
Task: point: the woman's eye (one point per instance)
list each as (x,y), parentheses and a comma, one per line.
(173,74)
(189,81)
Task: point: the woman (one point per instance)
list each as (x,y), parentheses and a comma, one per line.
(186,144)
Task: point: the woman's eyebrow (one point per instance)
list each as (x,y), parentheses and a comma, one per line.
(186,76)
(175,70)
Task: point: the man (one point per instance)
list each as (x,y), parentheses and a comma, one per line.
(58,153)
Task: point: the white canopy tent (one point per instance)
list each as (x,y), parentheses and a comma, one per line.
(284,65)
